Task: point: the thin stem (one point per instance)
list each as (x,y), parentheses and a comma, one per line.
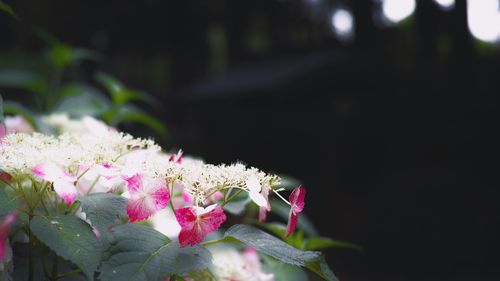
(282,198)
(232,197)
(31,257)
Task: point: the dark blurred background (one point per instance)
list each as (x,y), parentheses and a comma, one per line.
(386,110)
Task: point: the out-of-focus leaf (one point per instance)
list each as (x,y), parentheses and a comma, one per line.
(119,93)
(80,100)
(288,182)
(282,210)
(8,9)
(283,271)
(320,243)
(129,113)
(8,202)
(236,207)
(276,248)
(15,108)
(296,239)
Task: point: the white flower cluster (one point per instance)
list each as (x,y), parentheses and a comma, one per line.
(20,152)
(88,142)
(229,264)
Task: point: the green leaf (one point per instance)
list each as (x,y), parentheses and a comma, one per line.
(282,210)
(70,238)
(140,253)
(129,113)
(80,100)
(276,248)
(119,92)
(279,229)
(8,202)
(319,243)
(103,210)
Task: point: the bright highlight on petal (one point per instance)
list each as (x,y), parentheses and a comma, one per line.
(62,180)
(297,206)
(147,196)
(198,222)
(254,188)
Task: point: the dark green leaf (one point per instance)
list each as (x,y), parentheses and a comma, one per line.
(319,243)
(70,238)
(103,210)
(8,202)
(119,92)
(276,248)
(140,253)
(282,210)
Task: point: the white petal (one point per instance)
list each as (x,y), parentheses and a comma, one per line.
(253,184)
(258,199)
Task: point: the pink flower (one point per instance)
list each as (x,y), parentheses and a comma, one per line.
(264,209)
(254,266)
(146,197)
(5,176)
(18,124)
(297,206)
(197,222)
(3,130)
(4,233)
(62,180)
(176,158)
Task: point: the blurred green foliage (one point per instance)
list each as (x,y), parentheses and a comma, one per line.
(53,80)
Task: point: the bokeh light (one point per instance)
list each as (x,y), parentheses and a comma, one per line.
(343,24)
(445,4)
(398,10)
(483,19)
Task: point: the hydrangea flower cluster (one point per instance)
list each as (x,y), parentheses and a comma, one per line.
(90,157)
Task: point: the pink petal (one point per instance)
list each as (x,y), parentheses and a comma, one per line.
(297,198)
(134,183)
(51,172)
(147,196)
(4,233)
(66,190)
(197,223)
(263,210)
(297,205)
(3,130)
(176,158)
(5,176)
(292,223)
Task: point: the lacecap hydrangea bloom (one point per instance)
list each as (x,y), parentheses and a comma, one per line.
(89,157)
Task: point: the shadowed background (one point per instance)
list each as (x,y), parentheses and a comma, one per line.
(392,127)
